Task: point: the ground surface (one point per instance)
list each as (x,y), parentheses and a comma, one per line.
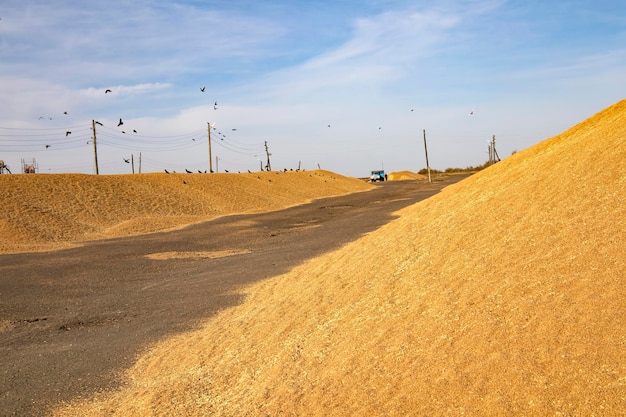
(73,319)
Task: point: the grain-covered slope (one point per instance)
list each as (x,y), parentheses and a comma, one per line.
(503,295)
(406,175)
(54,210)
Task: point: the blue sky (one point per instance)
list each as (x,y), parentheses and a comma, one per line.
(348,86)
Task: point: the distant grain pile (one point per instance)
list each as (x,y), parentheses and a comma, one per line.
(49,211)
(503,295)
(406,175)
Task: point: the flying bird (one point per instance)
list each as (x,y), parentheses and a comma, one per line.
(68,133)
(471,113)
(98,123)
(107,91)
(123,131)
(202,89)
(134,131)
(120,123)
(47,146)
(64,112)
(215,106)
(126,160)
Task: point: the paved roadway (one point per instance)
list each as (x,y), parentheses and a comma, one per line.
(71,320)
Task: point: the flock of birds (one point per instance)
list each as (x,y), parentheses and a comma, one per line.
(119,123)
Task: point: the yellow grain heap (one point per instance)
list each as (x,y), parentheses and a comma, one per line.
(47,211)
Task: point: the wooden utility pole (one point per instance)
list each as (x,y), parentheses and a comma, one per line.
(210,156)
(217,163)
(268,167)
(95,147)
(132,162)
(426,151)
(140,162)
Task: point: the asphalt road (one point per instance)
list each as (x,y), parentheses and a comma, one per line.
(71,321)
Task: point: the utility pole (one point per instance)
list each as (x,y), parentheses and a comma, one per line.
(217,163)
(210,157)
(95,148)
(493,154)
(132,162)
(426,151)
(268,167)
(140,162)
(496,157)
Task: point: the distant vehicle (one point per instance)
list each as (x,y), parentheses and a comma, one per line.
(378,176)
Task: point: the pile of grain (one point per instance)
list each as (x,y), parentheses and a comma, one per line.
(50,211)
(503,295)
(406,175)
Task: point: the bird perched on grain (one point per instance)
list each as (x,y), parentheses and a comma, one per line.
(187,171)
(166,171)
(120,123)
(225,170)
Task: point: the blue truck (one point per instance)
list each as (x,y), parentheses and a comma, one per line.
(378,176)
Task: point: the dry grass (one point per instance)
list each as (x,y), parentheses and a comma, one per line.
(42,212)
(503,295)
